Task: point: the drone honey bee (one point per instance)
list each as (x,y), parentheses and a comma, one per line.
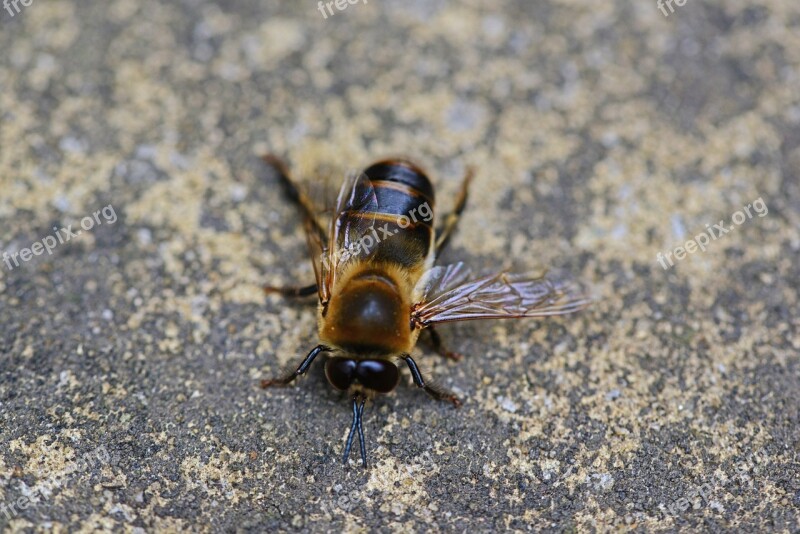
(377,293)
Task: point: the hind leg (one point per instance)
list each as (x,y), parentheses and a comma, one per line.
(452,218)
(294,192)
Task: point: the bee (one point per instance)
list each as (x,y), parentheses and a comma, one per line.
(378,288)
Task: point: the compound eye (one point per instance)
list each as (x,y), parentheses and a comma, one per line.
(379,375)
(340,372)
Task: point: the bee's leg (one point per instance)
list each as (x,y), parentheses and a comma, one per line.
(301,370)
(436,341)
(294,192)
(434,390)
(292,291)
(451,219)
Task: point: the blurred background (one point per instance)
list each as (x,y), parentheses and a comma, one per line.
(604,135)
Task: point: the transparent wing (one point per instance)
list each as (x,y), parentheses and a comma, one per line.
(319,258)
(353,218)
(448,294)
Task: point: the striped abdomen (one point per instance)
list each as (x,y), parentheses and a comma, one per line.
(404,213)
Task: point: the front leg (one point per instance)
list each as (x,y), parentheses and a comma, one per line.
(301,370)
(434,390)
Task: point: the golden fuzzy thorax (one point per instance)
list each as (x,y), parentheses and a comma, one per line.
(370,309)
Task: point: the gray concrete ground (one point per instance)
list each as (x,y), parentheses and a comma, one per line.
(603,134)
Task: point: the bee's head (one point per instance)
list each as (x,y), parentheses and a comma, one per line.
(378,375)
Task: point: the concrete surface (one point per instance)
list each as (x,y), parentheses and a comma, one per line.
(604,133)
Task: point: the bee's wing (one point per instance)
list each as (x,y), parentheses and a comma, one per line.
(352,219)
(448,294)
(319,258)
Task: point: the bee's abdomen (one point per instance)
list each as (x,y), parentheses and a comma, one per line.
(400,186)
(405,208)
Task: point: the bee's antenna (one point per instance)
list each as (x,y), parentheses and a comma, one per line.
(358,411)
(361,434)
